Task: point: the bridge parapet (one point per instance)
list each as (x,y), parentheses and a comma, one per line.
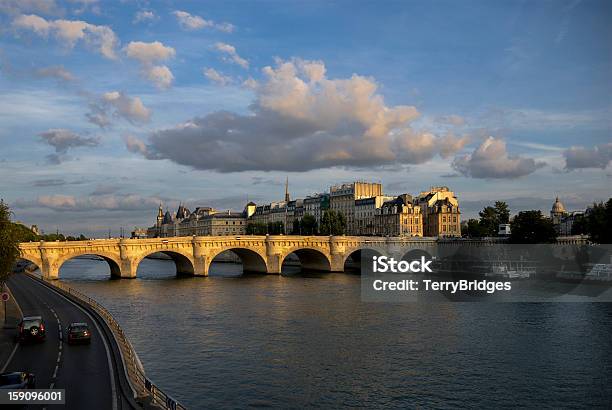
(194,254)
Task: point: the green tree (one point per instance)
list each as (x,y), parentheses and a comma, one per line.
(599,222)
(309,225)
(492,216)
(473,229)
(256,228)
(276,228)
(24,234)
(333,223)
(9,240)
(532,227)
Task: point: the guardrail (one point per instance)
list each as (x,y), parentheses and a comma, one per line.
(142,386)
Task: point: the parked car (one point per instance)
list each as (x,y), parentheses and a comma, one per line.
(78,333)
(17,380)
(31,328)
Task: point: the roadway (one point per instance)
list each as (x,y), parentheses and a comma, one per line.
(87,372)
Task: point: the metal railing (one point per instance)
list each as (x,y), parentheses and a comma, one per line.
(144,389)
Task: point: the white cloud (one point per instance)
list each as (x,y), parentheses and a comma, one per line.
(599,156)
(301,121)
(231,54)
(120,105)
(148,54)
(216,77)
(143,16)
(192,22)
(160,76)
(491,160)
(69,32)
(130,108)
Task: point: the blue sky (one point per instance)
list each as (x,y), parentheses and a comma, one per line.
(108,108)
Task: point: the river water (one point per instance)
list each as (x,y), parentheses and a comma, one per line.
(309,341)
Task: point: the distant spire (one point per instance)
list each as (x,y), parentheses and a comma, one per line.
(287,189)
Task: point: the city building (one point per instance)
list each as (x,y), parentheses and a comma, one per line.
(366,209)
(342,198)
(315,205)
(399,217)
(557,212)
(202,221)
(440,212)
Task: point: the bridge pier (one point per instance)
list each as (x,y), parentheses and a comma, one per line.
(127,270)
(200,266)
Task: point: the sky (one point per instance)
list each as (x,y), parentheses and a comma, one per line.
(109,108)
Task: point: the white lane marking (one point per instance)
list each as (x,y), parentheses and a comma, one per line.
(111,370)
(8,361)
(54,374)
(10,358)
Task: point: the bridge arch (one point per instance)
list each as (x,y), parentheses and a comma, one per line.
(311,258)
(32,260)
(113,261)
(252,260)
(183,261)
(353,258)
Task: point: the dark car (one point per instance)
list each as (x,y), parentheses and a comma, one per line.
(31,328)
(78,333)
(17,380)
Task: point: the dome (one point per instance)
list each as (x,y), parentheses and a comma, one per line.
(558,207)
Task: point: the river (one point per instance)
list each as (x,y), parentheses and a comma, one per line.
(309,341)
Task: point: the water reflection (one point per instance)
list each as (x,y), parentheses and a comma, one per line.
(308,340)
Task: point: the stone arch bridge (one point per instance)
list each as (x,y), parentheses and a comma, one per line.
(194,254)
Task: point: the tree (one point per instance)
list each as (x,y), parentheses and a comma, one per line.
(9,241)
(333,223)
(276,228)
(532,227)
(492,216)
(473,229)
(309,225)
(599,222)
(256,228)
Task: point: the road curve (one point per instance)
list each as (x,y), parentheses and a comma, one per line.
(91,374)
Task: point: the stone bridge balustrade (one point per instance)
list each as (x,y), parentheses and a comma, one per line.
(193,255)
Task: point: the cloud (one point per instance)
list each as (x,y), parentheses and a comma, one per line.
(62,140)
(119,105)
(160,76)
(301,120)
(130,108)
(102,189)
(149,54)
(580,157)
(452,119)
(69,32)
(135,145)
(58,72)
(216,77)
(231,54)
(491,160)
(108,202)
(143,16)
(48,182)
(192,22)
(29,6)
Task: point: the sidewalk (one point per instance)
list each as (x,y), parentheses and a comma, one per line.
(8,331)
